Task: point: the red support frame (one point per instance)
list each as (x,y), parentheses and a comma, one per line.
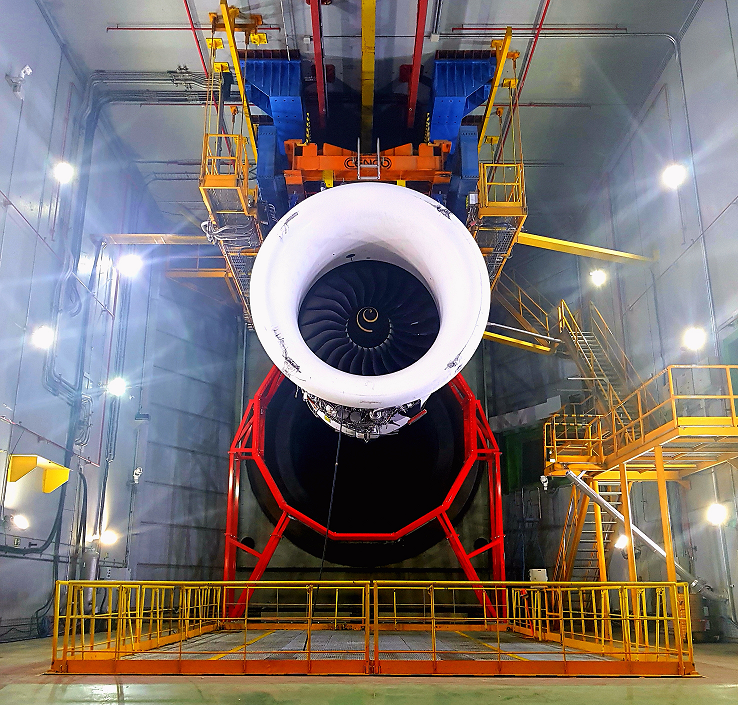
(412,88)
(248,445)
(319,61)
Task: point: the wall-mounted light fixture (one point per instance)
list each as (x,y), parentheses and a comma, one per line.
(694,338)
(42,337)
(63,172)
(16,82)
(129,265)
(673,176)
(117,386)
(717,514)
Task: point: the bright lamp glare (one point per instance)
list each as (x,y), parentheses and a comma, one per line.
(717,514)
(19,521)
(108,538)
(674,176)
(598,276)
(84,266)
(117,387)
(43,337)
(63,172)
(129,265)
(622,541)
(694,338)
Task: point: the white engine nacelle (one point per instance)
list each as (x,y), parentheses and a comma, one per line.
(369,297)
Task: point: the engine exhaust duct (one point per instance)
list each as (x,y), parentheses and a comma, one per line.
(369,297)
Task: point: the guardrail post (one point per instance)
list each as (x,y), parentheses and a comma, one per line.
(731,399)
(376,629)
(678,638)
(55,634)
(433,626)
(245,627)
(309,626)
(367,627)
(562,627)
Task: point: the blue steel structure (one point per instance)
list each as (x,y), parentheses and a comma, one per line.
(461,82)
(465,172)
(270,178)
(275,85)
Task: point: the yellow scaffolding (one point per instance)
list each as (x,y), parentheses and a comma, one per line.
(679,422)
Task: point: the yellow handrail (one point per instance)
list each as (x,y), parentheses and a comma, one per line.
(164,620)
(661,402)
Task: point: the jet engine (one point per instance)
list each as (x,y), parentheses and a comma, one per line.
(369,297)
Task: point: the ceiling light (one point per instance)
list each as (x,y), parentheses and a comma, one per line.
(598,276)
(129,265)
(117,387)
(108,538)
(63,172)
(84,266)
(674,176)
(42,337)
(694,338)
(622,541)
(20,521)
(717,514)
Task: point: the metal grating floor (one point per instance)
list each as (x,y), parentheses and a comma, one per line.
(400,645)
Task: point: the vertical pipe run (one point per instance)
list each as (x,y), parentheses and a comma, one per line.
(319,64)
(197,38)
(412,91)
(368,36)
(724,547)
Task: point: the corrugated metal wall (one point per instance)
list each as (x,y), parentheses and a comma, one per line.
(177,351)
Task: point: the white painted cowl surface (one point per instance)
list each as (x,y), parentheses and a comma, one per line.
(380,222)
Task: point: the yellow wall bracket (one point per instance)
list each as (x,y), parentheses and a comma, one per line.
(55,475)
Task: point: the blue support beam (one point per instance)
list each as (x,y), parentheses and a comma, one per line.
(275,85)
(459,86)
(465,172)
(272,203)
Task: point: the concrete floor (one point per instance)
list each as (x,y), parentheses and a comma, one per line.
(22,682)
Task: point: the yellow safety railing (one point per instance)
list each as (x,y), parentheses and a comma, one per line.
(602,361)
(681,396)
(526,305)
(575,431)
(401,627)
(224,156)
(501,189)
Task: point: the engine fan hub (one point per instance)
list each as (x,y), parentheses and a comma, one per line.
(368,328)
